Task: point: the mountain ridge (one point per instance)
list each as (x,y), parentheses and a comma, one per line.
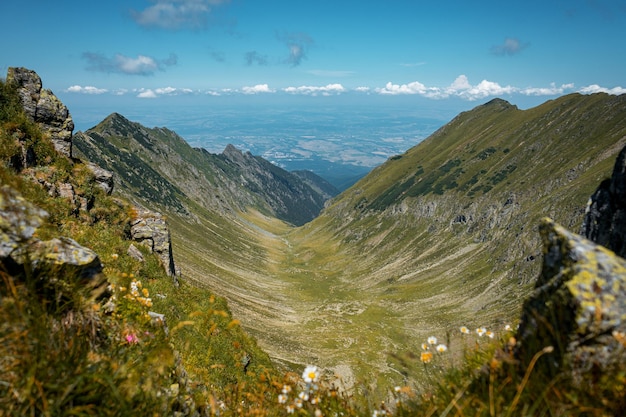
(159,166)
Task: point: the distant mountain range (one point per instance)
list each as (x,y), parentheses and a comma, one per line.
(156,166)
(441,236)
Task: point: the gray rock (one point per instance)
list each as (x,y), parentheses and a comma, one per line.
(150,229)
(104,178)
(578,307)
(135,253)
(18,220)
(44,108)
(67,255)
(605,218)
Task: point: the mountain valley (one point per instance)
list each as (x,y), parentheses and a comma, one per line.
(442,236)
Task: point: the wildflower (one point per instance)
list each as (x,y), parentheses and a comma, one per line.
(489,334)
(441,348)
(282,398)
(290,409)
(318,413)
(304,396)
(464,330)
(432,340)
(426,357)
(286,389)
(481,331)
(298,403)
(315,400)
(145,292)
(507,328)
(397,388)
(310,374)
(425,346)
(131,338)
(114,256)
(233,323)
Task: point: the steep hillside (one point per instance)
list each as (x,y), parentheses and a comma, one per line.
(441,236)
(158,166)
(445,234)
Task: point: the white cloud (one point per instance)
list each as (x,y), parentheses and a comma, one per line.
(327,90)
(259,88)
(461,87)
(177,14)
(595,88)
(146,93)
(165,90)
(88,89)
(485,89)
(510,46)
(362,89)
(414,87)
(553,90)
(141,65)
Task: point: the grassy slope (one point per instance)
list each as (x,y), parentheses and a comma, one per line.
(392,261)
(377,273)
(387,265)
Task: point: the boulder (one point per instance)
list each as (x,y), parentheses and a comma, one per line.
(605,217)
(578,308)
(150,229)
(66,255)
(103,178)
(44,108)
(18,221)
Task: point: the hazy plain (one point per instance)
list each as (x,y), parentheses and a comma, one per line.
(337,142)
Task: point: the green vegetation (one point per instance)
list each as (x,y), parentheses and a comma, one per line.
(354,292)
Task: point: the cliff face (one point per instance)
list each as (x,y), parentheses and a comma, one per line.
(44,108)
(605,218)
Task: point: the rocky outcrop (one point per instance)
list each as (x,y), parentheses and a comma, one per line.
(578,308)
(150,229)
(605,218)
(44,108)
(18,221)
(18,246)
(103,178)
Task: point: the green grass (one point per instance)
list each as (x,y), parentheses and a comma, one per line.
(355,292)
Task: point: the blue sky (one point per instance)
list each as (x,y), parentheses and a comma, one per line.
(456,53)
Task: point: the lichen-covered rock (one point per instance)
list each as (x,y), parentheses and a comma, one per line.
(18,220)
(44,108)
(66,254)
(150,229)
(578,307)
(605,218)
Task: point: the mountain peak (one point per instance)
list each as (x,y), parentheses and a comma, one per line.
(114,122)
(232,152)
(498,103)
